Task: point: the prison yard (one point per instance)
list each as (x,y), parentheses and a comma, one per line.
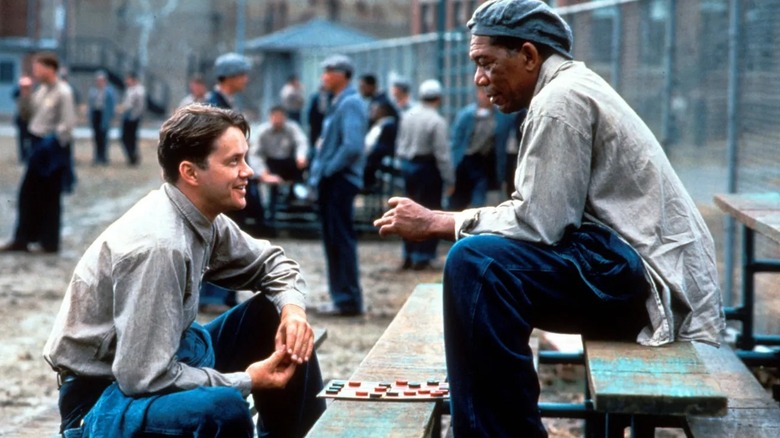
(32,286)
(699,73)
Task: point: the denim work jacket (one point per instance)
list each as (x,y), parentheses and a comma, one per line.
(340,149)
(135,292)
(586,155)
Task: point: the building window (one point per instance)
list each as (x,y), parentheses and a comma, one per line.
(603,22)
(655,14)
(7,69)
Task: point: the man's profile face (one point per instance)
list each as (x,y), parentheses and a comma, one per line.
(277,119)
(503,74)
(238,82)
(42,72)
(222,184)
(332,79)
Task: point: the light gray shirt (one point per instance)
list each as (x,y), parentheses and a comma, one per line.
(53,111)
(134,102)
(423,131)
(288,142)
(135,292)
(586,155)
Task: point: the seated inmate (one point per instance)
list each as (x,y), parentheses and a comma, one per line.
(599,238)
(129,354)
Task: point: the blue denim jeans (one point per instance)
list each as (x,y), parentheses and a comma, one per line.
(471,182)
(239,337)
(336,203)
(423,184)
(496,290)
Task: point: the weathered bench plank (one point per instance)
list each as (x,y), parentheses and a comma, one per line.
(412,348)
(670,380)
(751,412)
(758,211)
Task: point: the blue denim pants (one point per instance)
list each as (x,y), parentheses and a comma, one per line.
(496,290)
(239,337)
(423,184)
(336,203)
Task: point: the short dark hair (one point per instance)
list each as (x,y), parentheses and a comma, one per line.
(277,109)
(190,134)
(48,59)
(514,44)
(198,78)
(369,79)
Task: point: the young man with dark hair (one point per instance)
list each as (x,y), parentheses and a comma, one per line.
(600,237)
(53,117)
(133,106)
(130,356)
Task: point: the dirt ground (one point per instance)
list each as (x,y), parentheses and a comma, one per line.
(32,286)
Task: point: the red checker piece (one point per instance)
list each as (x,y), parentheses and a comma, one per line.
(361,393)
(354,384)
(401,382)
(410,392)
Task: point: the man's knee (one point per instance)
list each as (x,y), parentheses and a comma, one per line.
(467,253)
(222,407)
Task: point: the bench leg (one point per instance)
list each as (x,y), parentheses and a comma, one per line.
(616,424)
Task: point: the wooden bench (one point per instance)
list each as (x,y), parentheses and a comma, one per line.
(758,213)
(412,348)
(751,410)
(644,387)
(706,391)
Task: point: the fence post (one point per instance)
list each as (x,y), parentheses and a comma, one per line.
(732,134)
(669,66)
(617,48)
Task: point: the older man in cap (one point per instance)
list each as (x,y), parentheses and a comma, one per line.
(337,174)
(599,238)
(232,72)
(426,166)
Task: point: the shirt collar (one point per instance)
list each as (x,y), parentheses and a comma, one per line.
(202,226)
(549,70)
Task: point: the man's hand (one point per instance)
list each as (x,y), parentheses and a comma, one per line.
(295,335)
(301,163)
(412,221)
(270,178)
(272,373)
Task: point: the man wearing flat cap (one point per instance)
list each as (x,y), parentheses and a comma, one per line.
(599,238)
(337,174)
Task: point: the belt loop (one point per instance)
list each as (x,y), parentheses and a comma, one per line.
(59,380)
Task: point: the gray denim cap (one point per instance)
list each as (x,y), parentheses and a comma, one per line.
(528,20)
(338,62)
(231,64)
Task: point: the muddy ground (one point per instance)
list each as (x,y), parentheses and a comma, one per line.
(32,286)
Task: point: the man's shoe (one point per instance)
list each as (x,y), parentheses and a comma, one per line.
(329,309)
(407,265)
(421,266)
(14,247)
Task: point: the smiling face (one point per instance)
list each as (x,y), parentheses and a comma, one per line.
(507,76)
(221,185)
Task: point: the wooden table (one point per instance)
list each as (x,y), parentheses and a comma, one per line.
(758,213)
(412,348)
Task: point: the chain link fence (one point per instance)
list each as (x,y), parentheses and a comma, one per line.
(702,74)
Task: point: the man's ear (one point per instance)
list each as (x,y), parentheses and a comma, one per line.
(188,173)
(532,60)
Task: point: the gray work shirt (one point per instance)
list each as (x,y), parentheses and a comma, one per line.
(135,292)
(288,142)
(53,111)
(586,155)
(423,131)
